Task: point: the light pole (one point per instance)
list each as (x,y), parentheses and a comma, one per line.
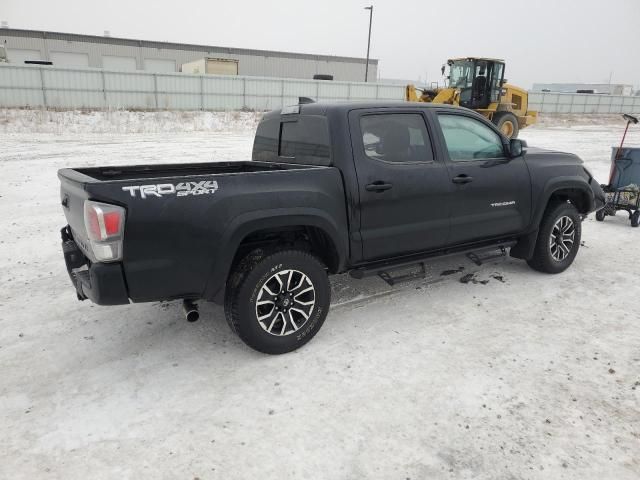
(366,72)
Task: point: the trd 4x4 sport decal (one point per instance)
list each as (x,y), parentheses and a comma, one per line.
(182,189)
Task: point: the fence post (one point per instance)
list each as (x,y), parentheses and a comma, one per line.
(348,91)
(155,89)
(377,91)
(317,90)
(573,97)
(44,89)
(281,93)
(201,92)
(104,89)
(244,92)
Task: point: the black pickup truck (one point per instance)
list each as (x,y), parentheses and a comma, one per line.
(363,188)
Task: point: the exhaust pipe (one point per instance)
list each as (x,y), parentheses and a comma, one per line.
(190,310)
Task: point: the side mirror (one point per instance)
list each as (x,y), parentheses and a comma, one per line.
(516,147)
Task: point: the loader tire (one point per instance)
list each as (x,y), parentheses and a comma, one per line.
(507,123)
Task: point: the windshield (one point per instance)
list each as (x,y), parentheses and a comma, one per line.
(461,74)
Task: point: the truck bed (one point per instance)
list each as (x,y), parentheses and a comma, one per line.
(176,169)
(178,216)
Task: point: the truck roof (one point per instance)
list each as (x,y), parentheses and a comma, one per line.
(322,108)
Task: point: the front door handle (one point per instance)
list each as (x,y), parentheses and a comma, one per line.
(378,186)
(462,179)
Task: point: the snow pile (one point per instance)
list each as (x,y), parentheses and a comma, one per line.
(123,121)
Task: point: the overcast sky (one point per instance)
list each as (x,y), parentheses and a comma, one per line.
(541,40)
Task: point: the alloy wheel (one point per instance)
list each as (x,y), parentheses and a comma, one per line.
(285,302)
(562,238)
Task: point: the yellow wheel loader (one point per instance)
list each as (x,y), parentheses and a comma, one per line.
(479,84)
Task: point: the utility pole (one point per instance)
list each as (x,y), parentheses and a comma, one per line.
(366,72)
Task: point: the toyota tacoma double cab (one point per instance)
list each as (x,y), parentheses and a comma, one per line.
(352,187)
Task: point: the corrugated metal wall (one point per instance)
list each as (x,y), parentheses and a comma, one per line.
(36,86)
(251,62)
(582,103)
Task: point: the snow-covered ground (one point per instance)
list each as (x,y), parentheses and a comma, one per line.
(526,376)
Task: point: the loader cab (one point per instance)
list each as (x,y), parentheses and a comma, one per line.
(479,80)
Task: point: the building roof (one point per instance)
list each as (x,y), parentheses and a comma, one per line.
(75,37)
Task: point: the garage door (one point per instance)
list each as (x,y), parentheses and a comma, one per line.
(159,65)
(68,59)
(222,66)
(113,62)
(16,55)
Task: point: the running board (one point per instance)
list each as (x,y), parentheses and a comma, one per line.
(478,254)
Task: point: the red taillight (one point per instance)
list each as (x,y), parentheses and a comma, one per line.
(112,223)
(104,224)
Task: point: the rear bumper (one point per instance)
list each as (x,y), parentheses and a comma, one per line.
(102,283)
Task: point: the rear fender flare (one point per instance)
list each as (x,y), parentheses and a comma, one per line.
(242,226)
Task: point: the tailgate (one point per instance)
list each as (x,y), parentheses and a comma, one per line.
(72,197)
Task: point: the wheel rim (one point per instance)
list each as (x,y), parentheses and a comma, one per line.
(561,241)
(507,128)
(285,302)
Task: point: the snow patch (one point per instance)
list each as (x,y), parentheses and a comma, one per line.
(123,121)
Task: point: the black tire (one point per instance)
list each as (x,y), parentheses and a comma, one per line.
(246,286)
(635,218)
(600,214)
(507,122)
(545,255)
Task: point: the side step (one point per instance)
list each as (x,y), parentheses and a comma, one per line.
(478,254)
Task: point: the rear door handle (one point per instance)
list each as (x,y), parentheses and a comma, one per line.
(462,179)
(378,186)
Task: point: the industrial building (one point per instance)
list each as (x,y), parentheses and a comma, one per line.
(110,53)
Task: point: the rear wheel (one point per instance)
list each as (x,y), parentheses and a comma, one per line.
(507,123)
(635,218)
(600,214)
(558,239)
(277,302)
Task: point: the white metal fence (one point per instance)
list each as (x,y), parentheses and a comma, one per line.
(548,102)
(45,86)
(36,86)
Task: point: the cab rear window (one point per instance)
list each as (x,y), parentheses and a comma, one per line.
(300,139)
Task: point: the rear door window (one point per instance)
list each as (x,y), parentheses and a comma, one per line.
(396,137)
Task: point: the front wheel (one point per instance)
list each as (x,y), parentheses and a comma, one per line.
(558,239)
(277,302)
(507,123)
(600,214)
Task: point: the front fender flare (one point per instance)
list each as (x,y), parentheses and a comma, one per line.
(555,184)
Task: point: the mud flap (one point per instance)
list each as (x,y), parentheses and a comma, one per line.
(525,246)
